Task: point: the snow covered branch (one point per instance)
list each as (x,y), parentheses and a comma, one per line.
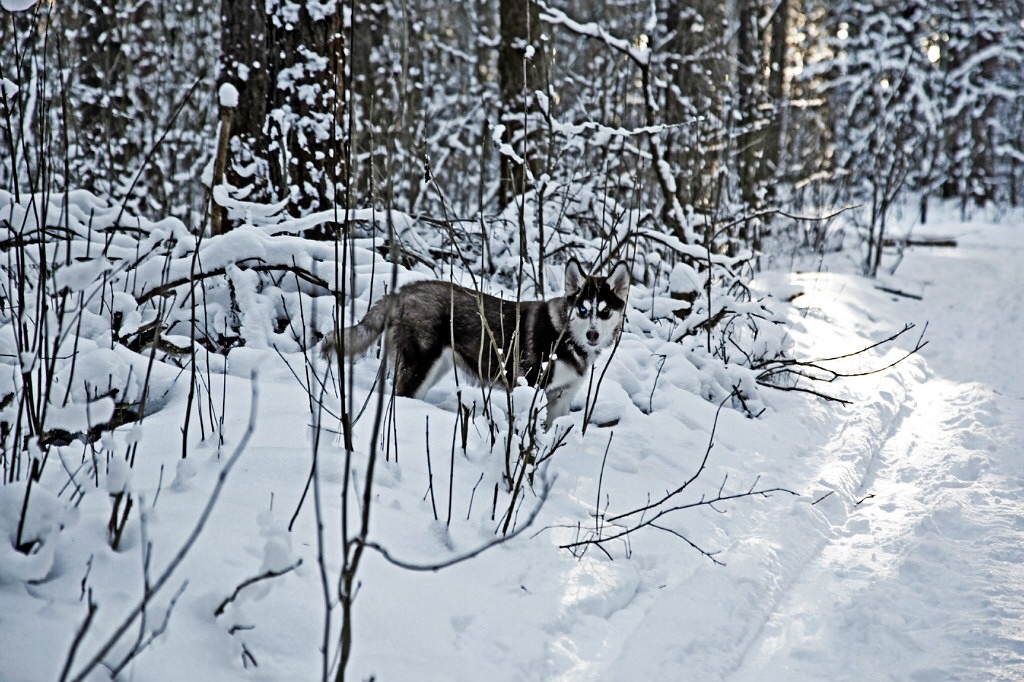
(784,374)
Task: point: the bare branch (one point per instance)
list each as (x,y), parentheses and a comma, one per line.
(700,469)
(437,566)
(649,514)
(652,521)
(815,370)
(266,575)
(92,608)
(691,543)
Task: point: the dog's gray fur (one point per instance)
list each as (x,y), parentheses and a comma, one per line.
(552,343)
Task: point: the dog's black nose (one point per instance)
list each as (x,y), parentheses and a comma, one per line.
(592,336)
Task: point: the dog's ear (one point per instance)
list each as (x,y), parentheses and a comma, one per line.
(573,277)
(618,280)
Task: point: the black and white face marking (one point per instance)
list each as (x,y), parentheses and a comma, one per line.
(594,321)
(586,308)
(596,305)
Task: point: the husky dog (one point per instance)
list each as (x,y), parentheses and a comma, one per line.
(552,343)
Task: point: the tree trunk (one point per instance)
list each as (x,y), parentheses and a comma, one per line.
(306,106)
(698,71)
(371,98)
(749,139)
(521,72)
(776,131)
(243,64)
(286,134)
(103,70)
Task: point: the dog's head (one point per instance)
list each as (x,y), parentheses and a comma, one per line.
(595,305)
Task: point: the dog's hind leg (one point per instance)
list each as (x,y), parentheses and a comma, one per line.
(441,366)
(409,376)
(418,368)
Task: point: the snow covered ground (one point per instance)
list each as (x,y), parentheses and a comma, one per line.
(924,579)
(901,555)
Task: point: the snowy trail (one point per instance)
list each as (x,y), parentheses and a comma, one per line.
(922,576)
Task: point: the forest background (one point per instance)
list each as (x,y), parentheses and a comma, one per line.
(717,118)
(191,190)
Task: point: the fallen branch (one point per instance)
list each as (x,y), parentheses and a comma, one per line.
(267,575)
(815,370)
(941,242)
(897,292)
(168,287)
(652,521)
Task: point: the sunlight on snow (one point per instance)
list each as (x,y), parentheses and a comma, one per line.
(595,589)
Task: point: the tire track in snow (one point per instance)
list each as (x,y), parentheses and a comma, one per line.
(925,579)
(851,462)
(709,621)
(912,568)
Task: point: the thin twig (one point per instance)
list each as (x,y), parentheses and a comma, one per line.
(92,608)
(702,502)
(661,509)
(823,497)
(600,483)
(266,575)
(437,566)
(686,484)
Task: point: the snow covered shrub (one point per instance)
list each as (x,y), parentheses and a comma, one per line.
(100,311)
(74,341)
(694,312)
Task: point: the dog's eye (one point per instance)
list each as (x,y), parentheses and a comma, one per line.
(583,311)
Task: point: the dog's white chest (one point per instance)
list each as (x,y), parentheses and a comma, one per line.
(561,389)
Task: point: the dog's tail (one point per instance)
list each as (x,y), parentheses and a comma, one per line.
(360,337)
